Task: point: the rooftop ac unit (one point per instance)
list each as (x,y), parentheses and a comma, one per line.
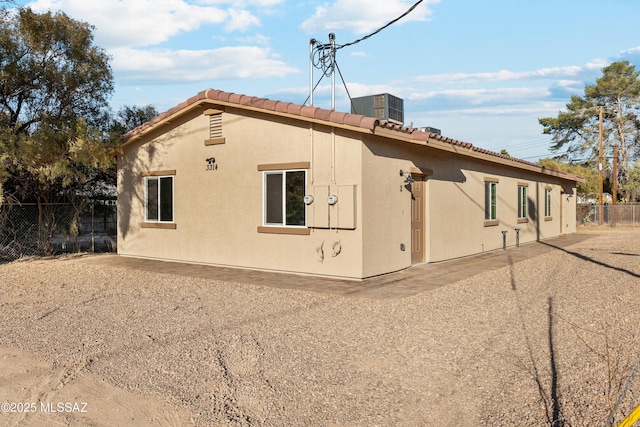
(382,106)
(431,130)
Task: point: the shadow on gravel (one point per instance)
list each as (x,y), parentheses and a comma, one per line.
(550,395)
(552,406)
(556,412)
(589,259)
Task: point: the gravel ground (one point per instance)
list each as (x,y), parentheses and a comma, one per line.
(547,341)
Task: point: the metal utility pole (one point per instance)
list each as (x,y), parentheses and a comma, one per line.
(600,172)
(312,43)
(332,40)
(326,62)
(615,174)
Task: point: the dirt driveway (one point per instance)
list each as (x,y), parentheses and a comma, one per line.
(553,338)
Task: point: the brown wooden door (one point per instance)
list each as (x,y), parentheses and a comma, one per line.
(417,219)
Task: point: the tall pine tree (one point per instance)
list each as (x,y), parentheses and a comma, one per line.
(576,130)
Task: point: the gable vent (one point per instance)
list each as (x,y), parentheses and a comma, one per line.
(215,126)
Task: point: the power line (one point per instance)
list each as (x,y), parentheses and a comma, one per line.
(345,87)
(556,155)
(383,27)
(314,88)
(527,145)
(344,83)
(543,155)
(323,55)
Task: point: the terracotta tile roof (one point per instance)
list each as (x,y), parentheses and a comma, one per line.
(316,113)
(355,120)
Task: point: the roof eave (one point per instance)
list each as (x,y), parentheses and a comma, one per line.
(142,131)
(352,122)
(469,150)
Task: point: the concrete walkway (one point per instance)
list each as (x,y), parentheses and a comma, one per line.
(419,278)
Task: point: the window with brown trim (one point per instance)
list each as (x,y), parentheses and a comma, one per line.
(490,200)
(158,198)
(522,202)
(283,198)
(547,202)
(284,185)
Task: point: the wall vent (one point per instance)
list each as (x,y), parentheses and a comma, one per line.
(215,126)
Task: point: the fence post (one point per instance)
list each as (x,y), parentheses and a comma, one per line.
(93,242)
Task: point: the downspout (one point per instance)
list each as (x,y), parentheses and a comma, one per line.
(538,211)
(332,39)
(561,210)
(312,43)
(311,156)
(333,155)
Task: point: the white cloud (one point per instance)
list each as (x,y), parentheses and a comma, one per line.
(181,66)
(361,16)
(128,28)
(243,3)
(241,20)
(484,96)
(631,51)
(533,109)
(505,75)
(256,39)
(146,22)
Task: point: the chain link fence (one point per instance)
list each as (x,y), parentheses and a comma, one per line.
(52,229)
(591,215)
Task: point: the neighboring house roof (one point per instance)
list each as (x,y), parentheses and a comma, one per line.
(356,122)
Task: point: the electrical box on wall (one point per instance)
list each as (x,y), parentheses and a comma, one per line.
(317,208)
(347,206)
(331,206)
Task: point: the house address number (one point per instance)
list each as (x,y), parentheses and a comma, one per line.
(211,164)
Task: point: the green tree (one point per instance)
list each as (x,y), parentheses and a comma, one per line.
(129,118)
(577,130)
(54,91)
(126,119)
(632,186)
(587,189)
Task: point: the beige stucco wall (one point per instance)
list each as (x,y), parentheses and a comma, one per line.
(454,205)
(217,213)
(457,225)
(386,206)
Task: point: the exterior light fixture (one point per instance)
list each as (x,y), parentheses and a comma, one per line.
(409,179)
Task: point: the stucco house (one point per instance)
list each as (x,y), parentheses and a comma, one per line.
(232,180)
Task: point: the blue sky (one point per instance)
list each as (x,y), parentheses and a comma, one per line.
(482,71)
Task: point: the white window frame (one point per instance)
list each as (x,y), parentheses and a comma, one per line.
(490,195)
(522,201)
(284,173)
(547,202)
(146,199)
